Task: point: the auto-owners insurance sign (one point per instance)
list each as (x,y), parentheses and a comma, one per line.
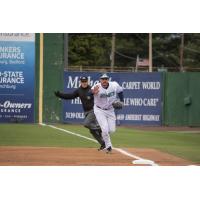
(17,77)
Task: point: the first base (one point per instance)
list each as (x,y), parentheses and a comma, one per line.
(143,162)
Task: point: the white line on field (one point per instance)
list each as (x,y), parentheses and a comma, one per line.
(69,132)
(138,160)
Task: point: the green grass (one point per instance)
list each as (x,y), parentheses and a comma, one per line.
(35,135)
(185,145)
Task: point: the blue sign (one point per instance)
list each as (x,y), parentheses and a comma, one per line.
(142,97)
(17,77)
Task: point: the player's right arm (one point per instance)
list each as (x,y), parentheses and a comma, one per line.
(72,95)
(95,89)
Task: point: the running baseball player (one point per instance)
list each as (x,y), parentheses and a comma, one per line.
(90,121)
(106,95)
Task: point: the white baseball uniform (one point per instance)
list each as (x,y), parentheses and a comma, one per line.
(104,110)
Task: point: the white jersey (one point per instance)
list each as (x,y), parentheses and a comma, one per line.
(105,97)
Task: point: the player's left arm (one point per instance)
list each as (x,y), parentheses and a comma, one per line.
(121,96)
(119,91)
(118,104)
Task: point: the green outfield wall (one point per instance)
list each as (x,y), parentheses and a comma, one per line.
(53,75)
(181,90)
(181,99)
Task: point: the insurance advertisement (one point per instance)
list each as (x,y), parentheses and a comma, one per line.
(17,77)
(142,97)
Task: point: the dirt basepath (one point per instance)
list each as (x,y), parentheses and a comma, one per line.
(53,156)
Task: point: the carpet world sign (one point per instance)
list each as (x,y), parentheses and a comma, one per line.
(142,97)
(17,75)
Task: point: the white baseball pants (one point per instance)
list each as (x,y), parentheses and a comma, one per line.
(107,122)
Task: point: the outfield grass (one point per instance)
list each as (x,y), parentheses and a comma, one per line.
(185,145)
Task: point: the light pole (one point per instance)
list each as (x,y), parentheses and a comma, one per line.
(113,53)
(181,52)
(150,52)
(66,38)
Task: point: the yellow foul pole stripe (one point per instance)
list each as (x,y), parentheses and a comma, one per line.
(41,78)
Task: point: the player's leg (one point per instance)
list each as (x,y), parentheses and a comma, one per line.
(111,122)
(103,122)
(111,119)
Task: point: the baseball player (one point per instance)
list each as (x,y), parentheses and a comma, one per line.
(106,95)
(90,121)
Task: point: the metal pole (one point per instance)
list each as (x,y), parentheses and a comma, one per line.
(150,52)
(136,65)
(181,52)
(113,53)
(66,67)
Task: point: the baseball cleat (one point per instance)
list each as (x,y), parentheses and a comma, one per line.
(102,147)
(109,150)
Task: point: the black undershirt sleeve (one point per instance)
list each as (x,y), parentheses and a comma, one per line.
(69,96)
(121,96)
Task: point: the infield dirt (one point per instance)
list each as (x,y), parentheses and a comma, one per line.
(54,156)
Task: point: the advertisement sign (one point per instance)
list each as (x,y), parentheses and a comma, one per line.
(142,97)
(17,77)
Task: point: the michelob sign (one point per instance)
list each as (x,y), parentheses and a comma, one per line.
(17,77)
(142,97)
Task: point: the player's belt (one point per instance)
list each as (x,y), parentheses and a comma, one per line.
(103,108)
